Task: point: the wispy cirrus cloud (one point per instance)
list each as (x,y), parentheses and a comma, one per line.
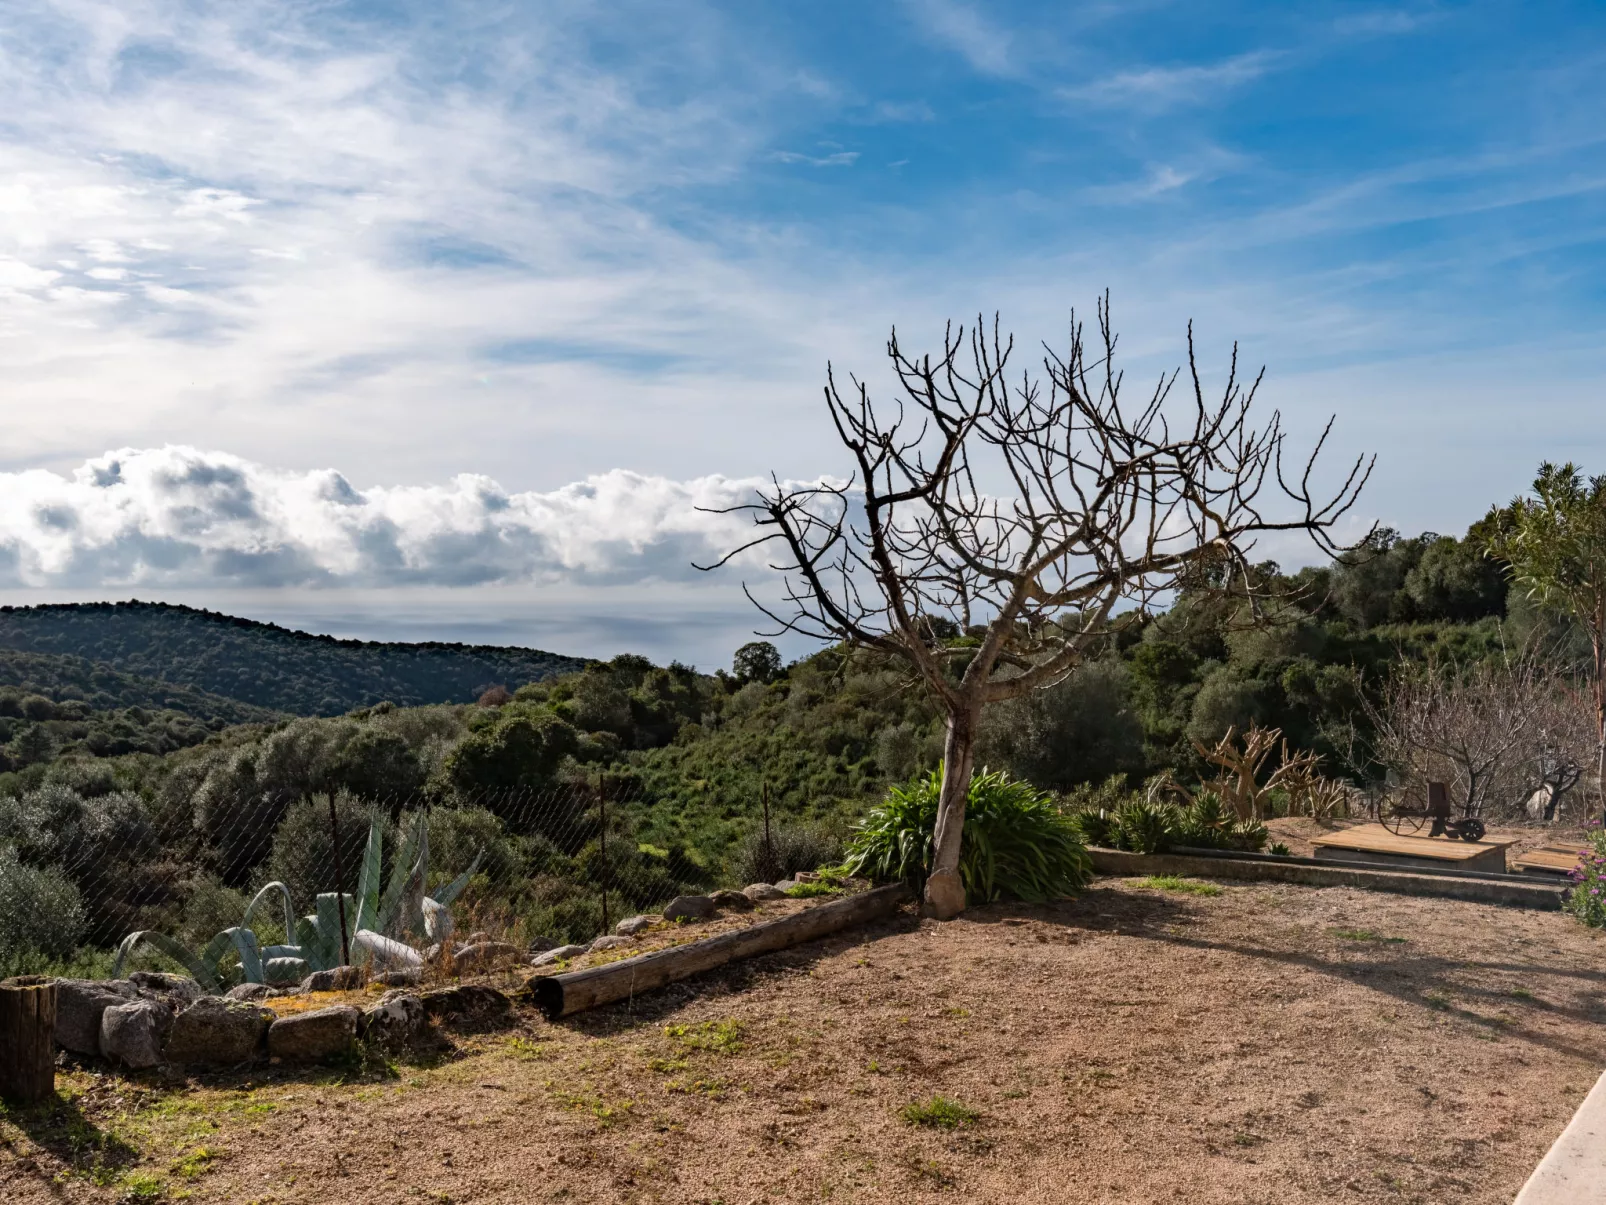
(969,32)
(1154,89)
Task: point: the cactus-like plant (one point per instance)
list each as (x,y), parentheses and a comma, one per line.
(375,922)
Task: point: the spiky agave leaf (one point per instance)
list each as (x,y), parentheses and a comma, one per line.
(452,890)
(289,908)
(368,880)
(401,907)
(174,949)
(245,944)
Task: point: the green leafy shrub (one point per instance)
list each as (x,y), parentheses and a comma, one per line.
(1016,842)
(40,913)
(1587,899)
(790,848)
(1143,826)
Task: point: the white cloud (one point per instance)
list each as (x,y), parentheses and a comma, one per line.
(964,30)
(1158,88)
(181,517)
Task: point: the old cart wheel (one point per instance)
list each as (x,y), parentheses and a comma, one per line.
(1471,829)
(1402,821)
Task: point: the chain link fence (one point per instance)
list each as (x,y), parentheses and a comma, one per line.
(285,879)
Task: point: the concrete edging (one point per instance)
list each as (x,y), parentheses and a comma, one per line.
(1542,896)
(1573,1171)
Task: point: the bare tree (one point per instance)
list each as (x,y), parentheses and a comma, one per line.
(1030,518)
(1495,732)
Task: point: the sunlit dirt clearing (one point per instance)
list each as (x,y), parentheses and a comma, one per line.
(1265,1044)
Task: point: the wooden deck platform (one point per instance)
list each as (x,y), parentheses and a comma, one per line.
(1374,843)
(1550,859)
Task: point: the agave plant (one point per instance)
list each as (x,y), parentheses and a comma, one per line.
(375,922)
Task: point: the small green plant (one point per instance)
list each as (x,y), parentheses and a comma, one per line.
(1367,935)
(1278,848)
(940,1112)
(142,1186)
(809,891)
(1171,882)
(1016,842)
(1587,899)
(1520,993)
(720,1037)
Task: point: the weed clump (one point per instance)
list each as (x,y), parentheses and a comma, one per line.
(1172,882)
(940,1112)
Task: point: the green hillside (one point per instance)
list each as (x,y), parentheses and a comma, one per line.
(264,665)
(64,678)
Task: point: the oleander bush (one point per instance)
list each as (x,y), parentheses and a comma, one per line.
(1587,900)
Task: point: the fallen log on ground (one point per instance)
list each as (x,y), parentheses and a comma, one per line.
(575,991)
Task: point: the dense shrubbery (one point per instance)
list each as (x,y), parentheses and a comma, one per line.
(1116,818)
(1016,842)
(787,850)
(41,915)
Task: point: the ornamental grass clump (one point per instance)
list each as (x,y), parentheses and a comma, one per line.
(1016,842)
(1587,900)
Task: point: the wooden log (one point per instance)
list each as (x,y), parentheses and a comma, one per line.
(28,1039)
(576,991)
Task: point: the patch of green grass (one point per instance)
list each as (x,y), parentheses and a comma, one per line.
(720,1037)
(1367,935)
(193,1165)
(940,1112)
(1520,993)
(809,891)
(523,1048)
(1173,882)
(1436,1000)
(143,1186)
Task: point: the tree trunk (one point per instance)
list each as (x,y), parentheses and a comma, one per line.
(945,893)
(27,1039)
(1600,725)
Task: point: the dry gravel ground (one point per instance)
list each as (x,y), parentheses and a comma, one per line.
(1265,1044)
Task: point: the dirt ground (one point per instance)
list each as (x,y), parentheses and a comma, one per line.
(1297,832)
(1267,1043)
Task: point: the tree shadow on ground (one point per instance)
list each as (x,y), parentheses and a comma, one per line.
(61,1128)
(655,1007)
(1424,980)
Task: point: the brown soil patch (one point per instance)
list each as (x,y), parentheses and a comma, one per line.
(1271,1043)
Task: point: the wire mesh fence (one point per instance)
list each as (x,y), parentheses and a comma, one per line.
(282,887)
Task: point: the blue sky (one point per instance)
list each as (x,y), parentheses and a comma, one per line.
(335,257)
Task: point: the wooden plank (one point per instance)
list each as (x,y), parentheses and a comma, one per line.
(1559,859)
(28,1039)
(574,991)
(1377,839)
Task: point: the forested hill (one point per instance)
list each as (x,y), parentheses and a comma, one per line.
(62,678)
(268,666)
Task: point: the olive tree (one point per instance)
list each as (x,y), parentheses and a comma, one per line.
(1027,517)
(1555,546)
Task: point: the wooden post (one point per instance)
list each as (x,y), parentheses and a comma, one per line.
(602,806)
(28,1039)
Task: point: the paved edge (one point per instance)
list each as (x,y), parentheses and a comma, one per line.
(1542,896)
(1573,1172)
